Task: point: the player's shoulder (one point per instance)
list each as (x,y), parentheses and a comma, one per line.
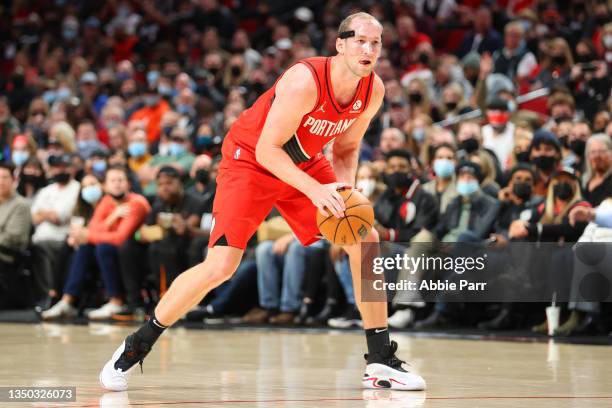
(298,81)
(378,88)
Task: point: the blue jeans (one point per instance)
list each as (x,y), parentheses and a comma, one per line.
(269,269)
(343,270)
(237,291)
(106,256)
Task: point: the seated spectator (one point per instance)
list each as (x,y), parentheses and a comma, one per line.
(483,37)
(151,113)
(31,179)
(23,147)
(545,154)
(51,212)
(15,226)
(577,140)
(498,134)
(514,60)
(586,316)
(443,186)
(483,159)
(9,126)
(179,156)
(404,208)
(204,185)
(120,158)
(116,217)
(556,65)
(523,137)
(597,178)
(280,270)
(87,140)
(469,218)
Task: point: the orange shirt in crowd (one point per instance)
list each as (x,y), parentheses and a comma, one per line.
(121,229)
(152,116)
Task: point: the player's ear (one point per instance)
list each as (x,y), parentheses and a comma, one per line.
(340,45)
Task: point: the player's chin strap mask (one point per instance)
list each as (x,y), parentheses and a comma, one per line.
(346,34)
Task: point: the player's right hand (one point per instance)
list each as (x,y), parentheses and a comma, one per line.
(326,198)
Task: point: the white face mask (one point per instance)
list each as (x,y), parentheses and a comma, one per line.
(607,40)
(367,186)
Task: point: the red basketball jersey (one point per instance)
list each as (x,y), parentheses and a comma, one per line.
(326,122)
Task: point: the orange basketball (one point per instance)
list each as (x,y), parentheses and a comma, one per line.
(356,223)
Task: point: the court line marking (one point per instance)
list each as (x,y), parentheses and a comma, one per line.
(342,399)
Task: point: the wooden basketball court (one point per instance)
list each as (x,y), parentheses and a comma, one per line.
(287,368)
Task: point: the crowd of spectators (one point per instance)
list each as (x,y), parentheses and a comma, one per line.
(496,125)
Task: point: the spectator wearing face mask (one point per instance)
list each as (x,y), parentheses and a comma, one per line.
(97,164)
(179,156)
(404,208)
(523,135)
(23,147)
(115,219)
(577,140)
(443,186)
(498,134)
(470,141)
(31,179)
(51,212)
(545,155)
(469,218)
(151,113)
(87,139)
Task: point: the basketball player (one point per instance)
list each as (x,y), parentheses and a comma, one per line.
(272,157)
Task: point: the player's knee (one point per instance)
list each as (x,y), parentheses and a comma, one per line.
(372,236)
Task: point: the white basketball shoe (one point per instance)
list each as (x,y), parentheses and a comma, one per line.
(384,370)
(116,372)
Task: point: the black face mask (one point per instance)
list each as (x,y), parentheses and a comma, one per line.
(469,145)
(451,105)
(36,181)
(558,60)
(415,98)
(424,58)
(584,58)
(577,146)
(398,180)
(202,176)
(563,141)
(545,163)
(563,190)
(213,71)
(236,71)
(522,157)
(522,190)
(118,197)
(62,178)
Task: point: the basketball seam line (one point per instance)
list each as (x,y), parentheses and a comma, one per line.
(356,216)
(350,227)
(337,226)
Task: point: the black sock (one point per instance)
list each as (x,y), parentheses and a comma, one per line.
(377,338)
(151,330)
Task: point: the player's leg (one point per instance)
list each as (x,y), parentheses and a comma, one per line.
(244,196)
(384,369)
(187,290)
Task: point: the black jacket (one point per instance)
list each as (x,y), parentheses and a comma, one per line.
(482,216)
(406,215)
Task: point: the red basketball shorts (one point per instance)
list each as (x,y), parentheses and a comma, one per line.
(246,193)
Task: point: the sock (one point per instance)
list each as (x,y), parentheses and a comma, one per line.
(151,330)
(377,338)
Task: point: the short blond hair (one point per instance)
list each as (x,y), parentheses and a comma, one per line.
(346,23)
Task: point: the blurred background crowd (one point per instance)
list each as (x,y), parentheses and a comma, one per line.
(496,124)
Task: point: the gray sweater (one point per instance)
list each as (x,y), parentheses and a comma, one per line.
(15,225)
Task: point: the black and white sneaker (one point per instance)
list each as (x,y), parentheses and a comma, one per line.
(384,370)
(116,372)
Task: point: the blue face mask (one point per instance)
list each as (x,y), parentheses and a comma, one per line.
(99,166)
(63,94)
(418,134)
(184,109)
(19,157)
(467,188)
(165,90)
(203,141)
(177,149)
(137,149)
(444,168)
(91,194)
(85,145)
